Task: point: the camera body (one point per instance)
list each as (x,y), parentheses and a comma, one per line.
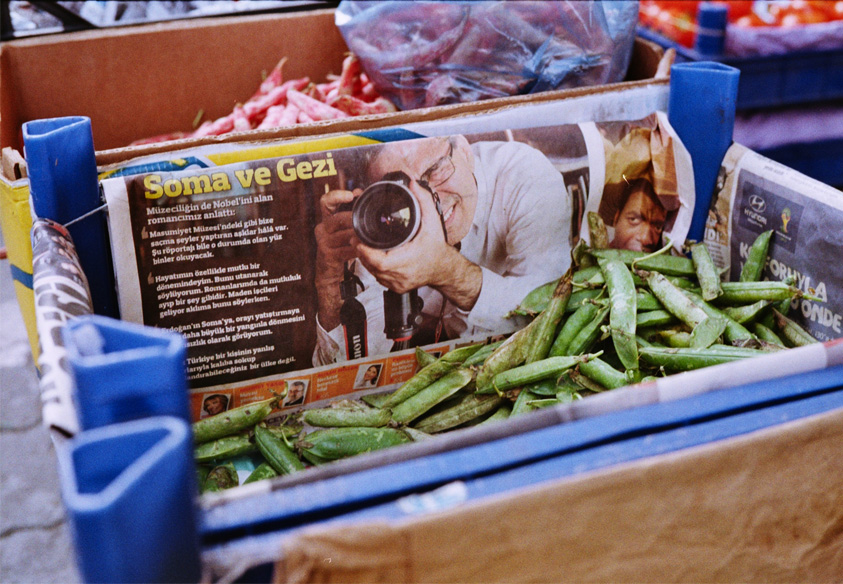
(386,215)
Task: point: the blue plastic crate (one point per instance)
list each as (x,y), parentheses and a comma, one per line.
(776,80)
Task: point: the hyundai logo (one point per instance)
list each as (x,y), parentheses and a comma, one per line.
(757,203)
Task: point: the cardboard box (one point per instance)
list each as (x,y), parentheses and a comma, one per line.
(147,80)
(735,510)
(140,81)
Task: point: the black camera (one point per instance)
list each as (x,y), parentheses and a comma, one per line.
(386,215)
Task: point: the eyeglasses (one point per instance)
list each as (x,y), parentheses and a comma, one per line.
(440,171)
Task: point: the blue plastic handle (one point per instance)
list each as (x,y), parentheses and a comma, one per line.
(701,108)
(125,371)
(130,491)
(61,163)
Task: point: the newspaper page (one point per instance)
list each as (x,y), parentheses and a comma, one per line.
(755,194)
(326,269)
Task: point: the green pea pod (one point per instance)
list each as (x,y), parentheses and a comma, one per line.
(286,431)
(573,325)
(334,417)
(376,400)
(674,338)
(232,421)
(707,273)
(580,255)
(545,332)
(551,367)
(469,408)
(603,373)
(502,413)
(419,381)
(423,358)
(543,387)
(480,356)
(665,264)
(748,292)
(735,332)
(645,301)
(224,448)
(276,452)
(582,297)
(536,300)
(460,354)
(794,335)
(597,231)
(511,353)
(263,471)
(437,392)
(522,403)
(416,435)
(586,276)
(679,303)
(586,382)
(336,443)
(707,332)
(220,478)
(442,366)
(766,334)
(747,312)
(589,334)
(678,359)
(202,471)
(624,307)
(756,258)
(654,318)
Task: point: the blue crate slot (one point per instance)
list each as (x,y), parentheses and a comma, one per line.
(124,371)
(130,492)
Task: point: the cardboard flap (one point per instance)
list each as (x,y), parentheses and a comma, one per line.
(727,511)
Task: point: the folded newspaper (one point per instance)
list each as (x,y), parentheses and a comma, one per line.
(755,194)
(324,270)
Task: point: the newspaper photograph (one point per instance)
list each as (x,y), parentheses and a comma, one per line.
(329,268)
(755,195)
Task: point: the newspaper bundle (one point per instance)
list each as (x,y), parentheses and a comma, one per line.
(755,194)
(257,265)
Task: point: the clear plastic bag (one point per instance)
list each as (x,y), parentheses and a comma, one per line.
(420,54)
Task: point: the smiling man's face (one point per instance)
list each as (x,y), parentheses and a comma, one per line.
(447,166)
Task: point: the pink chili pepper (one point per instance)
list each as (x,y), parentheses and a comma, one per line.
(313,108)
(256,108)
(273,80)
(350,76)
(218,127)
(241,121)
(357,107)
(303,118)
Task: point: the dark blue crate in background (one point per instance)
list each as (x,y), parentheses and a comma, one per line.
(776,80)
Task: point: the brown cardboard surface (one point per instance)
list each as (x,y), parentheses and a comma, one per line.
(141,81)
(763,507)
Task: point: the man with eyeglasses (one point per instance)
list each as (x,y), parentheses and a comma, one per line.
(507,221)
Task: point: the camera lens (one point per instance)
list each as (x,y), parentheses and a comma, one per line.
(386,215)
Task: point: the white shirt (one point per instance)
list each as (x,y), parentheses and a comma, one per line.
(520,238)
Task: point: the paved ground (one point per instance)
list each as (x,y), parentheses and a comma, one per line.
(35,541)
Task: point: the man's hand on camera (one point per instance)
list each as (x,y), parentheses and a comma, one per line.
(426,260)
(333,248)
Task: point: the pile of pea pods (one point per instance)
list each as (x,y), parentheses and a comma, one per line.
(615,318)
